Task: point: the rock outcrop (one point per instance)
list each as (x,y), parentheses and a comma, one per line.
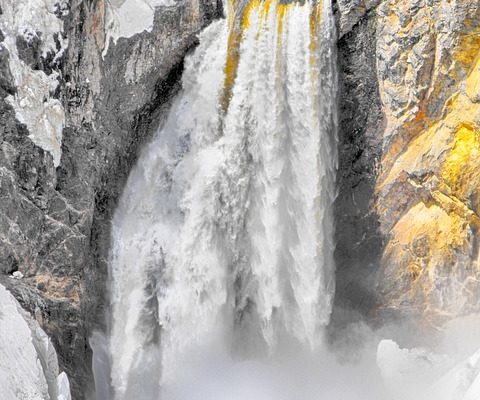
(77,99)
(428,69)
(410,175)
(28,361)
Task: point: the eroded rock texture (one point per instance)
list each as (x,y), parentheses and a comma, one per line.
(422,194)
(56,201)
(428,68)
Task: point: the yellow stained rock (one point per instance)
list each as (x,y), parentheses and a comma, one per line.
(426,241)
(461,169)
(434,233)
(60,288)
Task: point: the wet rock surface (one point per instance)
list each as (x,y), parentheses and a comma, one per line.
(361,124)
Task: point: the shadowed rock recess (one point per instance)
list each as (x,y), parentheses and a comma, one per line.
(83,85)
(55,215)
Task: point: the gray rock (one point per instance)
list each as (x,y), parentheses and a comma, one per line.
(359,243)
(54,224)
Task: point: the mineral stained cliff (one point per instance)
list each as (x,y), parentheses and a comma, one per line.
(428,67)
(83,84)
(409,179)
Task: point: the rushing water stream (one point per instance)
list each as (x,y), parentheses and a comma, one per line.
(223,239)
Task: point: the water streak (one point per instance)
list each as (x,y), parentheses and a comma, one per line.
(222,240)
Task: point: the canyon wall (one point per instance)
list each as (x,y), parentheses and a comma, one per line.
(428,188)
(82,85)
(409,179)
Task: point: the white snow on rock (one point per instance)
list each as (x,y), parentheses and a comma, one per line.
(473,392)
(125,18)
(416,374)
(406,372)
(63,387)
(43,115)
(21,374)
(28,361)
(460,383)
(17,275)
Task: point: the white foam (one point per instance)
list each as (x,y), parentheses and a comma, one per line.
(225,223)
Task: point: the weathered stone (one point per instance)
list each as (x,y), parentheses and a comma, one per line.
(29,50)
(54,222)
(429,181)
(359,243)
(351,12)
(424,188)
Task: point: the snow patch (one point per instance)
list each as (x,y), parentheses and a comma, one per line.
(33,104)
(63,387)
(406,372)
(462,382)
(416,374)
(28,361)
(17,275)
(21,375)
(125,18)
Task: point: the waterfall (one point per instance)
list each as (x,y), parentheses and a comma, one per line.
(223,237)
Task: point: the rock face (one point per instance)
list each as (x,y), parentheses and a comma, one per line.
(428,68)
(361,124)
(66,149)
(28,361)
(410,168)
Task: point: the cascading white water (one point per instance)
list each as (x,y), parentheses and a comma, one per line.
(222,240)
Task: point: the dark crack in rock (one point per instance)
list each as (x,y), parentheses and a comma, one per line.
(359,243)
(55,222)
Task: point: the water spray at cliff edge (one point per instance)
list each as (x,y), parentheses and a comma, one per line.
(223,239)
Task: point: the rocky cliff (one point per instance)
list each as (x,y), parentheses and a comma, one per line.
(84,83)
(428,68)
(409,177)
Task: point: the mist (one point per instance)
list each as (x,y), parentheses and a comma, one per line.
(360,363)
